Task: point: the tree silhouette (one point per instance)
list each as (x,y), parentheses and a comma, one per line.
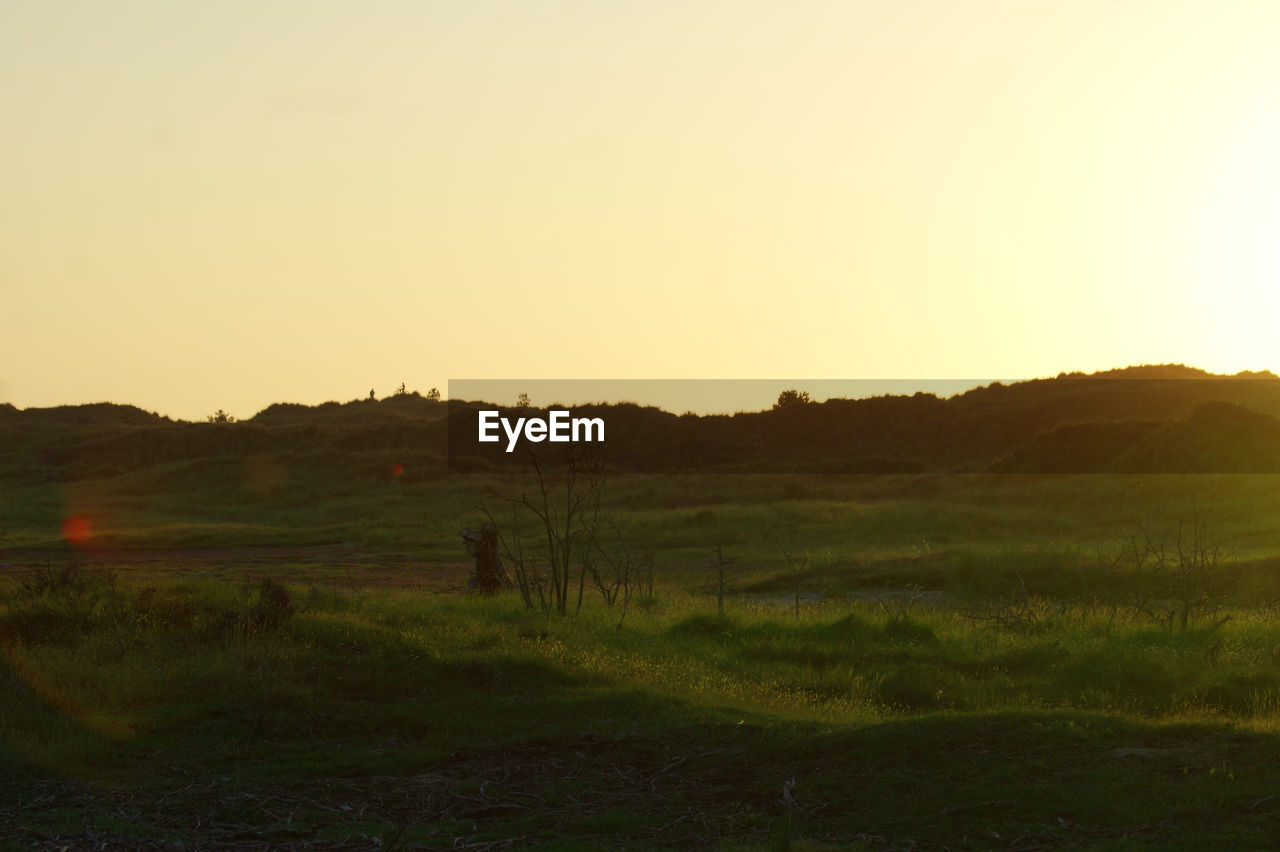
(791,398)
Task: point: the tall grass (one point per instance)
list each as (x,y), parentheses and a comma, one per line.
(187,685)
(869,530)
(164,660)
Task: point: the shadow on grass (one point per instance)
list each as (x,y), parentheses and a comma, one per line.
(509,752)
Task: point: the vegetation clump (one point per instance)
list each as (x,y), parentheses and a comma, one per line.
(65,604)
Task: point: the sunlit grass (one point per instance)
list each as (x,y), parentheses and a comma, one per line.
(161,676)
(371,682)
(136,654)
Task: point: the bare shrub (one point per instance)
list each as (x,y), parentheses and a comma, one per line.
(1176,574)
(1015,612)
(625,571)
(553,531)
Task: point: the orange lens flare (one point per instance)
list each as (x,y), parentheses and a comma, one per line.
(75,529)
(397,469)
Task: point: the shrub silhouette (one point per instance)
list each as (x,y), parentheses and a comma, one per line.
(272,609)
(791,398)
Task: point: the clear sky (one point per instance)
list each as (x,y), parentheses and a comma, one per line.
(219,205)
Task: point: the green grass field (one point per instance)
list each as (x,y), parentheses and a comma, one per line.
(960,662)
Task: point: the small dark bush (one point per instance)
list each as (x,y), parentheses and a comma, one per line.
(909,691)
(55,603)
(851,626)
(909,631)
(70,580)
(273,607)
(703,625)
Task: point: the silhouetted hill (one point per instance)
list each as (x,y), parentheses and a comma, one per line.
(96,415)
(78,442)
(401,407)
(1072,423)
(1150,419)
(1093,446)
(1218,437)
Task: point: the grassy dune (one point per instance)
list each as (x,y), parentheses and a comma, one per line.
(403,715)
(975,662)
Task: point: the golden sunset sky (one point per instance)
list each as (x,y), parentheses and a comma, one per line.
(227,204)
